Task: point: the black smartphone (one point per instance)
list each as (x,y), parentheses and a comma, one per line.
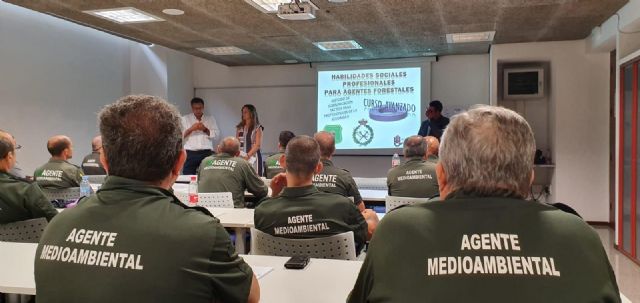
(297,262)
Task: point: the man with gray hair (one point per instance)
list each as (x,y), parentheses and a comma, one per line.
(226,171)
(133,241)
(416,177)
(19,199)
(484,242)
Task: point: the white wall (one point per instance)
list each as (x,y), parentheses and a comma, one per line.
(579,100)
(56,75)
(460,81)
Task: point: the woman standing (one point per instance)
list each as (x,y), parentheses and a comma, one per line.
(249,132)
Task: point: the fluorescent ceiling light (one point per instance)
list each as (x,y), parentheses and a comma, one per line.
(267,6)
(124,15)
(471,37)
(173,11)
(224,50)
(290,61)
(337,45)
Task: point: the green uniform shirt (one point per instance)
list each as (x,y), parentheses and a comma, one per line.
(224,173)
(273,165)
(337,181)
(91,165)
(433,159)
(22,200)
(471,249)
(306,212)
(414,178)
(58,174)
(132,242)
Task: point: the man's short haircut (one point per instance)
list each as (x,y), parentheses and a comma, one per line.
(327,142)
(488,151)
(302,156)
(6,144)
(230,145)
(57,146)
(414,146)
(285,137)
(141,137)
(197,100)
(436,104)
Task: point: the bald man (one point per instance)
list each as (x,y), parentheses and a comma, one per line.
(58,173)
(333,179)
(227,172)
(19,199)
(91,163)
(433,146)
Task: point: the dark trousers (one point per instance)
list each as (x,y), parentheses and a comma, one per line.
(194,157)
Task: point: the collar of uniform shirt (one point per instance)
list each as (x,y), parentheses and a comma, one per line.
(116,183)
(460,194)
(327,162)
(298,191)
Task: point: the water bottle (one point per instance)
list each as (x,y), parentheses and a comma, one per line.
(395,160)
(85,188)
(193,190)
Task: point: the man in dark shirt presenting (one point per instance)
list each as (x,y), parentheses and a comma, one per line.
(435,123)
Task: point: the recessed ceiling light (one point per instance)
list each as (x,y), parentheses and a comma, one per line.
(124,15)
(224,50)
(338,1)
(471,37)
(267,6)
(337,45)
(173,11)
(290,61)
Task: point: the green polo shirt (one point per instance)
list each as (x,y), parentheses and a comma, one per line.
(414,178)
(22,200)
(58,174)
(337,181)
(306,212)
(273,165)
(131,242)
(484,249)
(224,173)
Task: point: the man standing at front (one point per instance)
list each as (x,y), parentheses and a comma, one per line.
(133,241)
(199,132)
(484,242)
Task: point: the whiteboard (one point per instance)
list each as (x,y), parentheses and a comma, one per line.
(279,108)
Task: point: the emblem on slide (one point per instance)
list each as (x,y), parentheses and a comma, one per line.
(397,141)
(336,129)
(387,113)
(363,133)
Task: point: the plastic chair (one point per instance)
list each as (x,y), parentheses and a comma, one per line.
(393,202)
(341,246)
(65,194)
(27,231)
(371,183)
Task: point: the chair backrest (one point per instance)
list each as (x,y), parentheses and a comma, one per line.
(371,183)
(392,202)
(220,200)
(66,194)
(341,246)
(96,179)
(28,231)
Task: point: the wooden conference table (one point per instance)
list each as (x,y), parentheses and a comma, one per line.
(322,281)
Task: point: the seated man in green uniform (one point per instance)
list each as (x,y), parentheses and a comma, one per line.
(273,162)
(227,172)
(484,242)
(133,241)
(433,146)
(333,179)
(324,214)
(58,173)
(91,163)
(19,199)
(416,177)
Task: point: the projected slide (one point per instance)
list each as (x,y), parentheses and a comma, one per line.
(369,108)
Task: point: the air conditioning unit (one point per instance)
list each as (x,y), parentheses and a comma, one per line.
(297,11)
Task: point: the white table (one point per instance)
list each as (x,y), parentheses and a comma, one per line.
(240,219)
(322,281)
(16,268)
(373,195)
